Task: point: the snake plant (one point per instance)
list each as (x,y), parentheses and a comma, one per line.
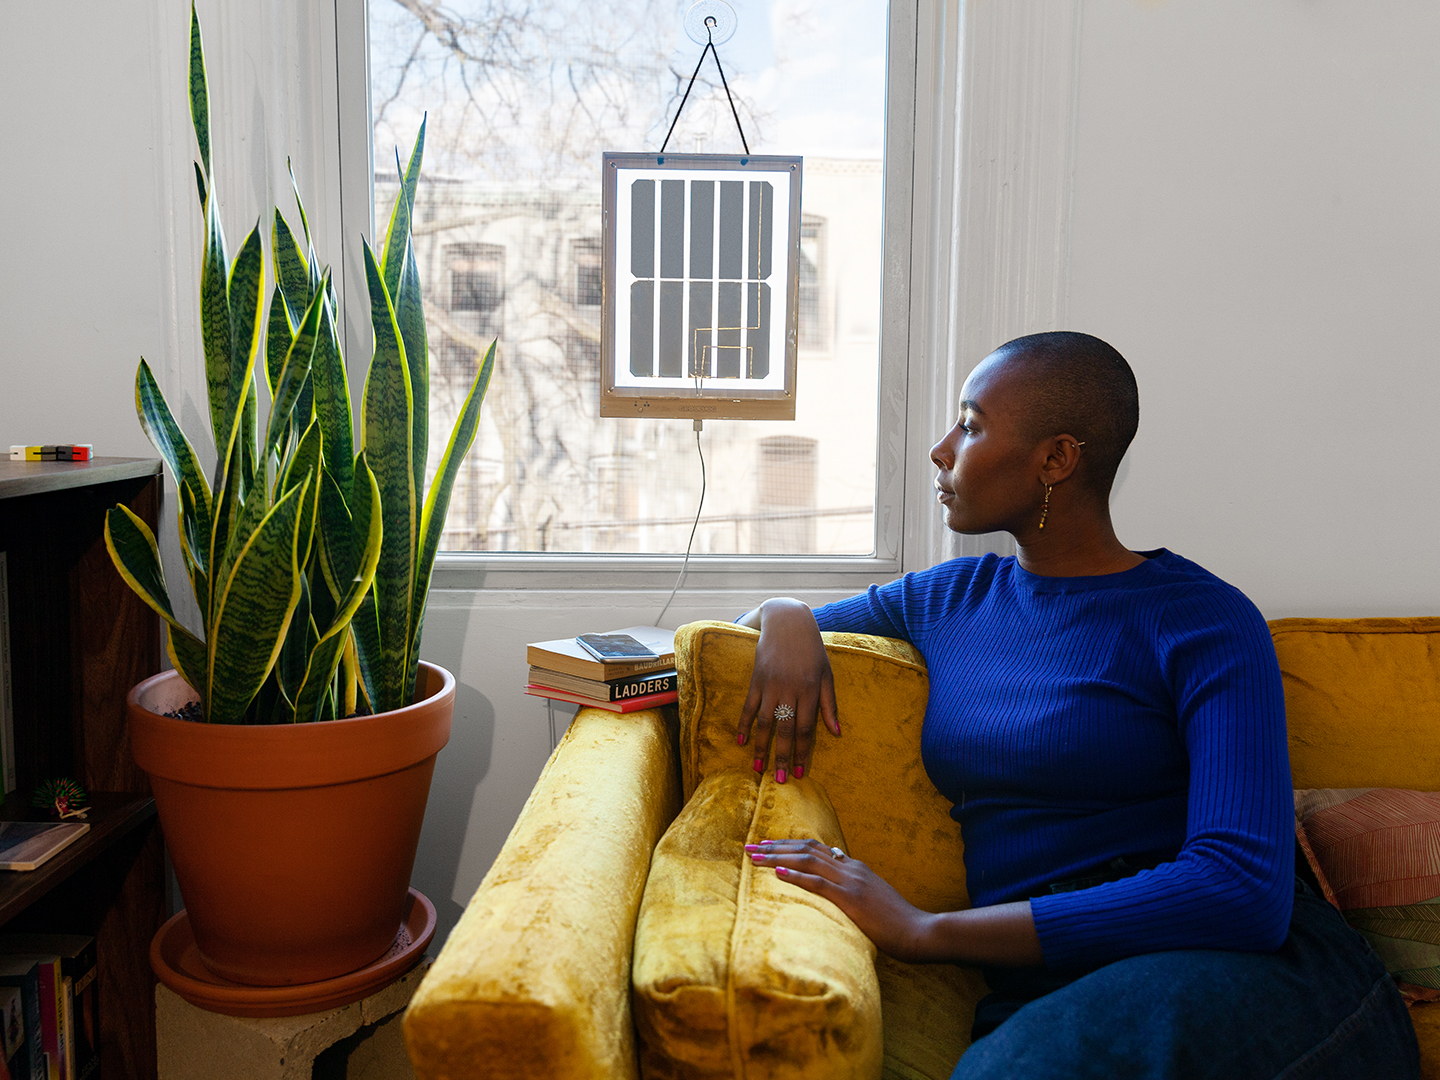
(309,551)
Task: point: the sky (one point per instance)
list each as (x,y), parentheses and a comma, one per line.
(580,79)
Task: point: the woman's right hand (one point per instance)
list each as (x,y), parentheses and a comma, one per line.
(791,668)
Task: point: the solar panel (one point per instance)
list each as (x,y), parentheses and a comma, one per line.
(700,285)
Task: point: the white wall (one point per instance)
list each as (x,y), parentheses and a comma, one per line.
(1254,224)
(83,280)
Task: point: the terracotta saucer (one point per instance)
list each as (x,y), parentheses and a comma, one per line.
(177,963)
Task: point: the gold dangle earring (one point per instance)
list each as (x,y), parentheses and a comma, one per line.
(1045,510)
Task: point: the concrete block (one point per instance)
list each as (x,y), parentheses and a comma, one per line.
(194,1044)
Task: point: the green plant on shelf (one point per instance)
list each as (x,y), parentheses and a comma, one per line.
(309,550)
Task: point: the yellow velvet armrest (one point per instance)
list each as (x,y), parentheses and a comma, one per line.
(535,979)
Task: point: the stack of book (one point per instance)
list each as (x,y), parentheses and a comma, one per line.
(49,1006)
(564,671)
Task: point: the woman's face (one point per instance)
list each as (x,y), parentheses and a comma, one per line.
(989,474)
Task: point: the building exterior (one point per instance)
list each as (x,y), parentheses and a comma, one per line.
(523,267)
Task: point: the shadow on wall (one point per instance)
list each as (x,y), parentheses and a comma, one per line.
(459,770)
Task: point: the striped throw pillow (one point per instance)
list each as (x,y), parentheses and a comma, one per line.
(1376,852)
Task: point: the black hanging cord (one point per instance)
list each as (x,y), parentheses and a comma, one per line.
(710,48)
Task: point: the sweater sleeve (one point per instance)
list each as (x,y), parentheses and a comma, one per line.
(878,610)
(913,607)
(1232,885)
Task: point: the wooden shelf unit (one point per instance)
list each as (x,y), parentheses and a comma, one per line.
(79,640)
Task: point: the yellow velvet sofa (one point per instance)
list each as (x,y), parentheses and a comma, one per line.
(545,975)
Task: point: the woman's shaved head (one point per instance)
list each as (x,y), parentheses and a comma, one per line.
(1077,385)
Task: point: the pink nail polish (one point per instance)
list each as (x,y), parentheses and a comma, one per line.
(740,739)
(759,764)
(781,871)
(764,842)
(752,847)
(757,858)
(779,776)
(799,772)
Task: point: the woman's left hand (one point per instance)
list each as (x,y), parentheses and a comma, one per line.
(896,926)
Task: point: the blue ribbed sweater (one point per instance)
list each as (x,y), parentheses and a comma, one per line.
(1074,720)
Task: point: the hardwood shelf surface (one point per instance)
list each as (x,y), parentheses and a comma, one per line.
(112,817)
(35,477)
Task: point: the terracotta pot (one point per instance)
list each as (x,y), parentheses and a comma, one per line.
(293,845)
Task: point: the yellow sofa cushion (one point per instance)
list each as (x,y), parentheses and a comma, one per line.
(737,973)
(1361,701)
(896,821)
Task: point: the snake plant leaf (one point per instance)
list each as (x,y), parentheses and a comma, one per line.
(136,556)
(387,428)
(249,513)
(365,630)
(397,236)
(279,333)
(410,318)
(293,374)
(200,184)
(310,259)
(331,388)
(187,654)
(366,541)
(199,92)
(322,600)
(226,502)
(305,406)
(133,549)
(300,639)
(300,204)
(318,675)
(246,289)
(306,462)
(193,536)
(253,610)
(337,552)
(249,422)
(164,433)
(325,657)
(292,270)
(215,328)
(437,501)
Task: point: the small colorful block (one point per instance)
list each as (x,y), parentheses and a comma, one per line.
(57,452)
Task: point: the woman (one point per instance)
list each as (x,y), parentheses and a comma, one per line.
(1110,726)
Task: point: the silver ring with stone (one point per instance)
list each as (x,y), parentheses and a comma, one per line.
(837,853)
(784,712)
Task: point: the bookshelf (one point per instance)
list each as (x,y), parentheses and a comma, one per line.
(79,639)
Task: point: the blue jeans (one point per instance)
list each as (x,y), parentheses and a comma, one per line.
(1321,1006)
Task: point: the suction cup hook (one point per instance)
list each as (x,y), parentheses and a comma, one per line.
(719,15)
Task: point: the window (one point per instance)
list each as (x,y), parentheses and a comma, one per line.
(508,222)
(814,333)
(585,258)
(477,282)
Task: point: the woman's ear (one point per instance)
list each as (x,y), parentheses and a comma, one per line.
(1062,458)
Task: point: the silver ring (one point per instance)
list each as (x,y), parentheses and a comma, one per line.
(837,853)
(784,712)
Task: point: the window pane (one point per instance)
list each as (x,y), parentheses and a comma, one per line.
(522,98)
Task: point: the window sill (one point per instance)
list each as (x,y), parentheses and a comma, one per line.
(506,570)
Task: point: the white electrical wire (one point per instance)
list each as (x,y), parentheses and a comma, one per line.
(684,565)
